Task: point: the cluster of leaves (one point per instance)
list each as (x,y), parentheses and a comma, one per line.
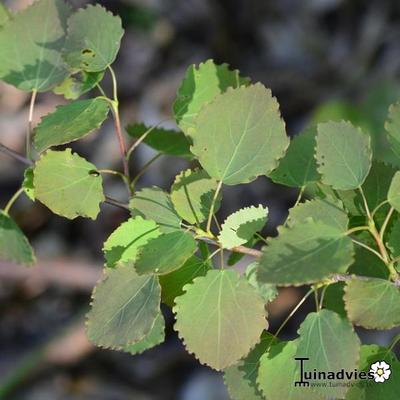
(344,241)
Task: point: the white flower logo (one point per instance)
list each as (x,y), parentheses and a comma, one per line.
(381,371)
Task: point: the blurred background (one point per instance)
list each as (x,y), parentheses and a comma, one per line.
(321,58)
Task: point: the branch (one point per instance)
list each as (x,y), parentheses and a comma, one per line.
(15,155)
(116,203)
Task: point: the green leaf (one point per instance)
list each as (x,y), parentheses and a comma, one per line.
(343,154)
(70,122)
(333,298)
(200,86)
(375,189)
(368,264)
(5,14)
(93,39)
(394,192)
(240,135)
(394,239)
(241,226)
(229,318)
(240,378)
(27,184)
(172,284)
(369,390)
(31,58)
(165,253)
(166,141)
(267,291)
(298,167)
(74,86)
(292,257)
(124,308)
(330,344)
(373,303)
(392,127)
(153,203)
(14,246)
(123,244)
(68,184)
(279,371)
(152,339)
(327,210)
(192,194)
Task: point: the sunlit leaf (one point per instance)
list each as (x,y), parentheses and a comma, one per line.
(74,86)
(68,184)
(229,318)
(153,203)
(343,155)
(123,244)
(192,194)
(200,85)
(30,46)
(93,39)
(240,135)
(240,226)
(394,192)
(165,253)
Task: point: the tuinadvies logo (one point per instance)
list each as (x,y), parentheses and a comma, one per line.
(379,372)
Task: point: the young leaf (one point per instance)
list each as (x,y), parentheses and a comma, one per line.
(166,141)
(306,253)
(165,253)
(14,246)
(279,371)
(200,86)
(388,390)
(27,184)
(124,308)
(70,122)
(5,14)
(229,313)
(394,192)
(74,86)
(343,154)
(373,303)
(68,184)
(152,339)
(240,135)
(328,211)
(93,39)
(240,378)
(331,344)
(267,291)
(172,284)
(298,167)
(36,64)
(240,226)
(192,194)
(392,127)
(123,244)
(153,203)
